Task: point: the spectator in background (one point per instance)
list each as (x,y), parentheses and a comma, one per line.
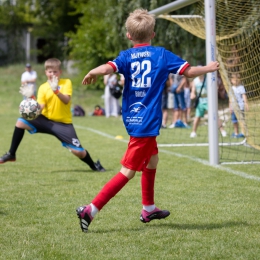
(165,97)
(98,111)
(187,99)
(239,96)
(179,110)
(29,77)
(202,107)
(111,103)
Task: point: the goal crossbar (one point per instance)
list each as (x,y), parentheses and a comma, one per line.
(172,6)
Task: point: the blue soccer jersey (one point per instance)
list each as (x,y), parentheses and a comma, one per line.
(146,69)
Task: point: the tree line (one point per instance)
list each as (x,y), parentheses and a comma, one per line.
(91,32)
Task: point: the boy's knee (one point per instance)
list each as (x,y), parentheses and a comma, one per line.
(153,162)
(22,125)
(79,154)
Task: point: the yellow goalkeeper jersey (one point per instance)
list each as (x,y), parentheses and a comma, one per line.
(54,108)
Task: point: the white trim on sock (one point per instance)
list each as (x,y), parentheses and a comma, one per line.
(94,210)
(149,208)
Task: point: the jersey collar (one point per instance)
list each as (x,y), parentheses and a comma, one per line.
(141,45)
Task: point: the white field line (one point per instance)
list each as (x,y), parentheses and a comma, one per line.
(238,173)
(195,159)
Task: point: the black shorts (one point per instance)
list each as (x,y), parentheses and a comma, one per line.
(64,132)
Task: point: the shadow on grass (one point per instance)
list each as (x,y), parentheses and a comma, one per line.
(209,226)
(3,213)
(79,170)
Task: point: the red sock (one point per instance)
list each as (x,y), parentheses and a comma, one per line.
(110,189)
(147,183)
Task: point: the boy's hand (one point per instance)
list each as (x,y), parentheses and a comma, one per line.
(91,77)
(27,90)
(213,66)
(88,79)
(54,83)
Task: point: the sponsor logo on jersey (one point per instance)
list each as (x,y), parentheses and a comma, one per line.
(140,55)
(140,93)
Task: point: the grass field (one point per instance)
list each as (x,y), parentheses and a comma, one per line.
(214,210)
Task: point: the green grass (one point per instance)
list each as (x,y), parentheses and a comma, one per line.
(214,210)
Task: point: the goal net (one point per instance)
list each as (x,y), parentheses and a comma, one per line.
(238,51)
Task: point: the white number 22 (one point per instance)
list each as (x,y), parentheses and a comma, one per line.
(143,68)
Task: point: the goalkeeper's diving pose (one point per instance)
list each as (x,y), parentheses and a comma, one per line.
(54,98)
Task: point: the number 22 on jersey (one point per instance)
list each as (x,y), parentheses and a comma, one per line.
(140,76)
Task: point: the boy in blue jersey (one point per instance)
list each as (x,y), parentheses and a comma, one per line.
(146,69)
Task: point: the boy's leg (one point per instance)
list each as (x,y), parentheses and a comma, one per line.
(147,185)
(195,126)
(33,126)
(164,110)
(137,155)
(111,188)
(149,211)
(16,140)
(200,110)
(94,166)
(165,117)
(236,128)
(183,113)
(67,135)
(235,124)
(175,113)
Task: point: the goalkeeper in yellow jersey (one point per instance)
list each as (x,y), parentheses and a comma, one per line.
(54,98)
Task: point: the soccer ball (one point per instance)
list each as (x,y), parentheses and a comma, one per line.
(29,109)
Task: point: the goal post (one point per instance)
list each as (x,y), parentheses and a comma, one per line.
(172,6)
(232,33)
(210,25)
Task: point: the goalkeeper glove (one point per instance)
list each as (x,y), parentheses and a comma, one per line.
(54,84)
(27,90)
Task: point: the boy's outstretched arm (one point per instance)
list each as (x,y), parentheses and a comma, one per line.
(91,77)
(192,72)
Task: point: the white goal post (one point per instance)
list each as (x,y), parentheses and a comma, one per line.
(210,25)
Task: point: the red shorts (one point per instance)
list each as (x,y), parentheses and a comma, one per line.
(139,152)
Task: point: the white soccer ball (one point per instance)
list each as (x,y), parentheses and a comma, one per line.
(29,109)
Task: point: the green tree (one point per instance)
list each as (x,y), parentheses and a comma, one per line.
(54,19)
(14,19)
(101,33)
(49,20)
(90,32)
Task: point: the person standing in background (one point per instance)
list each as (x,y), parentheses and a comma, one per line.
(29,77)
(165,97)
(180,111)
(202,107)
(238,96)
(187,99)
(111,103)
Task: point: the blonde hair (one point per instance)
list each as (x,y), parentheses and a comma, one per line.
(52,63)
(140,25)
